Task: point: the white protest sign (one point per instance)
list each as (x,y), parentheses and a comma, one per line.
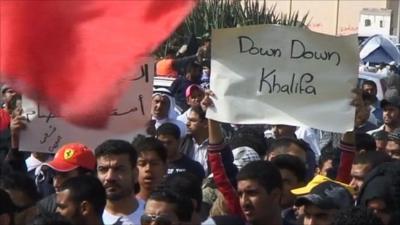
(269,74)
(46,132)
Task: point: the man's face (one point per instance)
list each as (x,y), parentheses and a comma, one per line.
(283,131)
(393,149)
(316,216)
(257,204)
(60,177)
(378,206)
(289,182)
(117,175)
(362,115)
(171,143)
(370,89)
(160,106)
(391,115)
(326,166)
(8,94)
(68,208)
(151,170)
(158,210)
(195,97)
(194,123)
(358,173)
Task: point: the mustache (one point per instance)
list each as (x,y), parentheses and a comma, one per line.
(111,184)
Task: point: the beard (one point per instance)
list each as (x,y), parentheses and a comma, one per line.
(117,192)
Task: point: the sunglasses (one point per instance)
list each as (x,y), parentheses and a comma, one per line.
(147,219)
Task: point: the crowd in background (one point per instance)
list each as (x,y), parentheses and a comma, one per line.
(188,169)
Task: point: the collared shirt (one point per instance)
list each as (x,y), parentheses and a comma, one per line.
(200,153)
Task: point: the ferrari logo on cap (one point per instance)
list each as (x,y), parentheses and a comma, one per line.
(69,153)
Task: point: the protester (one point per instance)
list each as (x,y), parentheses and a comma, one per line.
(82,200)
(21,189)
(391,114)
(194,94)
(195,143)
(259,192)
(117,171)
(71,160)
(370,91)
(328,163)
(380,140)
(169,134)
(322,198)
(167,207)
(363,163)
(393,144)
(151,164)
(163,110)
(179,86)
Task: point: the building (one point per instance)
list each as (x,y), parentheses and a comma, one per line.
(338,17)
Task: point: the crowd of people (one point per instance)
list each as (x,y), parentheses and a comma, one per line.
(188,169)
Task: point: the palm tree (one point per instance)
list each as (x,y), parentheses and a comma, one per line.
(214,14)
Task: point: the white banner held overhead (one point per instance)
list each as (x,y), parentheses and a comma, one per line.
(269,74)
(46,132)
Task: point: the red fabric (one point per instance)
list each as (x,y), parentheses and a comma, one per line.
(72,54)
(346,160)
(5,120)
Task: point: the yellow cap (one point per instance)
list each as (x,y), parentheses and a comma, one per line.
(318,179)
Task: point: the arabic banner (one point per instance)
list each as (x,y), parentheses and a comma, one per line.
(269,74)
(47,132)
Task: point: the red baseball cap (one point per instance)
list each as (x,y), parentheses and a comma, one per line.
(189,90)
(72,156)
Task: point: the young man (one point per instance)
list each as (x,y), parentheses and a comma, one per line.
(195,144)
(260,191)
(169,134)
(151,164)
(167,207)
(391,115)
(117,171)
(71,160)
(194,94)
(363,163)
(322,198)
(293,173)
(82,200)
(393,144)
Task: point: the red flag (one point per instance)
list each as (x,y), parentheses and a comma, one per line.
(71,54)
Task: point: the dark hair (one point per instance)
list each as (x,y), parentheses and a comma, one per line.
(183,204)
(21,182)
(333,154)
(50,219)
(117,147)
(369,82)
(264,172)
(185,184)
(250,137)
(151,144)
(87,188)
(169,129)
(291,163)
(356,216)
(373,158)
(199,111)
(365,142)
(285,142)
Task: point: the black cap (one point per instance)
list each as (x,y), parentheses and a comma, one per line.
(327,195)
(392,101)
